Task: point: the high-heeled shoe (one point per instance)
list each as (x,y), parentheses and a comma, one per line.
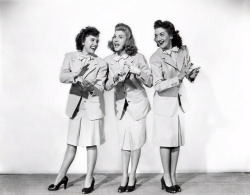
(177,188)
(54,187)
(170,189)
(90,189)
(131,188)
(123,188)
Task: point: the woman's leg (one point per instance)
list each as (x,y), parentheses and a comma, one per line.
(174,159)
(91,161)
(125,164)
(135,157)
(68,159)
(165,153)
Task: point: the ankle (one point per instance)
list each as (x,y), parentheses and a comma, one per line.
(89,176)
(132,175)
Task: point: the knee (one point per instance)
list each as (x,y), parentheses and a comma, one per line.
(92,147)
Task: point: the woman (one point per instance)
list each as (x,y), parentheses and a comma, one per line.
(128,71)
(86,73)
(169,64)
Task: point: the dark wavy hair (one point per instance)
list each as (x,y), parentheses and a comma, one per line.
(169,27)
(81,36)
(130,47)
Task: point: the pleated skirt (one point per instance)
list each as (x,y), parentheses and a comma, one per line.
(85,132)
(132,134)
(169,131)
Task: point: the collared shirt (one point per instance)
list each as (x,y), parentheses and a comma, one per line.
(121,59)
(172,53)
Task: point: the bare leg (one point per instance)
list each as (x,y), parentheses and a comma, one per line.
(166,160)
(174,159)
(68,159)
(125,164)
(135,157)
(91,161)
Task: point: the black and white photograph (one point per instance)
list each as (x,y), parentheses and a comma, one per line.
(124,96)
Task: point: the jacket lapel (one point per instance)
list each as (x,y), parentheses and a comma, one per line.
(169,61)
(180,60)
(92,67)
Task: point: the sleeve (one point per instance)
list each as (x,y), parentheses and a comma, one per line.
(160,84)
(66,75)
(188,61)
(146,75)
(100,80)
(109,83)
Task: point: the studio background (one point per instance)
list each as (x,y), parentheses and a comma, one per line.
(34,37)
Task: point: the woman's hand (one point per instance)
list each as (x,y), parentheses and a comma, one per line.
(119,74)
(133,69)
(87,85)
(194,73)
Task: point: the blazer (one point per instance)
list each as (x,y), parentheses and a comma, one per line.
(131,90)
(168,93)
(96,73)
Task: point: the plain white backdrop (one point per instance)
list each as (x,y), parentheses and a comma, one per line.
(34,37)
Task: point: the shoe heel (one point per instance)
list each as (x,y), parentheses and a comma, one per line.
(162,186)
(65,185)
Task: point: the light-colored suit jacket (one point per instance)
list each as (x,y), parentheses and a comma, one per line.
(132,89)
(168,93)
(96,74)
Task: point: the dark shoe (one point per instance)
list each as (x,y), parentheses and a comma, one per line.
(170,189)
(54,187)
(123,188)
(177,188)
(131,188)
(90,189)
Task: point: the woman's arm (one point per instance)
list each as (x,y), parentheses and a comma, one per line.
(66,75)
(193,72)
(100,79)
(160,84)
(146,75)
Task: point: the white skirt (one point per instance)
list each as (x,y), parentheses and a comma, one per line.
(132,134)
(85,132)
(169,131)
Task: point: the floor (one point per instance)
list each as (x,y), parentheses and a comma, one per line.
(147,184)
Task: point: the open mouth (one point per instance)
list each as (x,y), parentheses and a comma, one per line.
(116,45)
(93,47)
(160,43)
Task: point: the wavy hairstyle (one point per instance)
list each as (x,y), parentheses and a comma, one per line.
(130,47)
(81,36)
(169,27)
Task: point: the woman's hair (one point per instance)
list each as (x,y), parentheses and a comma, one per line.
(81,36)
(130,47)
(169,27)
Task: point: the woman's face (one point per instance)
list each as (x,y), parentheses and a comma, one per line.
(163,39)
(90,44)
(119,40)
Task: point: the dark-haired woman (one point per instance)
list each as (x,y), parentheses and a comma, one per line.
(86,73)
(128,72)
(170,64)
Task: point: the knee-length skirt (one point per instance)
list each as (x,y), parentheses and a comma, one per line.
(132,134)
(169,131)
(85,132)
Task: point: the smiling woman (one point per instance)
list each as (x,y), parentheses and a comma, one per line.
(128,72)
(86,73)
(170,65)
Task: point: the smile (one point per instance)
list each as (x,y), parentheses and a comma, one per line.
(93,47)
(160,42)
